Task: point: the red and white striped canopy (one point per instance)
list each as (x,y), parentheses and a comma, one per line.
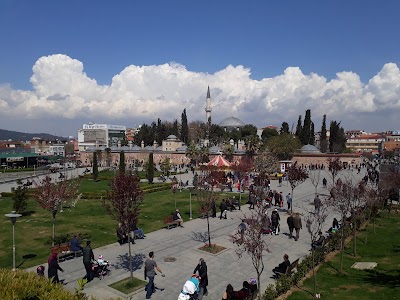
(219,161)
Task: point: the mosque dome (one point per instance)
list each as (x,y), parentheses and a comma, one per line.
(172,137)
(309,149)
(231,122)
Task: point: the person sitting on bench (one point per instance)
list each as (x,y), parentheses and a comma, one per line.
(121,234)
(318,243)
(281,268)
(178,218)
(74,244)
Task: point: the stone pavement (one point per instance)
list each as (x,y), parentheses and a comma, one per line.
(179,243)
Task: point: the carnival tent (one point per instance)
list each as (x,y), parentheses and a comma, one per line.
(220,162)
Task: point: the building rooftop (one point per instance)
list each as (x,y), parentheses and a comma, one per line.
(231,122)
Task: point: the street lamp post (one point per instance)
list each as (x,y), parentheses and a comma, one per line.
(13,217)
(190,187)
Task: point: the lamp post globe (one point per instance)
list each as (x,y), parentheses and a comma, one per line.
(13,218)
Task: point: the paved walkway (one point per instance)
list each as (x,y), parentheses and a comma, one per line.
(179,243)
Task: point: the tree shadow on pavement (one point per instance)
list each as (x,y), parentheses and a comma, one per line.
(200,236)
(123,261)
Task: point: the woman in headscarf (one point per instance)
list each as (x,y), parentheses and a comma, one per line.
(229,293)
(202,269)
(53,268)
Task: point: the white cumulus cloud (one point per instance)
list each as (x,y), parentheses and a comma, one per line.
(62,90)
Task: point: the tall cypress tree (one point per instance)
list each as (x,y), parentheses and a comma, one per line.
(175,128)
(337,139)
(150,169)
(305,134)
(184,128)
(323,142)
(95,166)
(122,162)
(311,140)
(299,128)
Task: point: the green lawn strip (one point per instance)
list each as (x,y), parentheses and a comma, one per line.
(383,282)
(33,232)
(127,285)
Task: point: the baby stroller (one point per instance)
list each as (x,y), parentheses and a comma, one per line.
(100,268)
(190,289)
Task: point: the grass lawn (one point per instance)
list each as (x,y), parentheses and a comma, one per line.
(33,232)
(127,286)
(383,282)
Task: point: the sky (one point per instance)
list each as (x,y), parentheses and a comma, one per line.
(69,62)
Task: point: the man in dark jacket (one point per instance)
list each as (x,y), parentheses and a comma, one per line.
(223,208)
(290,225)
(281,268)
(88,256)
(297,225)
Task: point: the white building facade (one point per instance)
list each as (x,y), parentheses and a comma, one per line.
(100,135)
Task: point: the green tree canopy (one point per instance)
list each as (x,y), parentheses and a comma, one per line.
(284,146)
(267,133)
(284,128)
(248,130)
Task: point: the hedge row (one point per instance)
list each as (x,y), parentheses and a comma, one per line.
(27,285)
(147,189)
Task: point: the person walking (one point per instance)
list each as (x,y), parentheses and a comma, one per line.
(325,182)
(289,201)
(290,225)
(88,256)
(53,268)
(317,204)
(149,272)
(202,269)
(213,208)
(275,221)
(223,208)
(297,225)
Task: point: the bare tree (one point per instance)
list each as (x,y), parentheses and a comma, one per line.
(314,224)
(296,176)
(335,165)
(51,196)
(315,177)
(122,203)
(252,241)
(347,198)
(242,168)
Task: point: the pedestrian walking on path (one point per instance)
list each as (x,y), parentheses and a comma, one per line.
(88,256)
(297,225)
(52,271)
(201,268)
(149,272)
(290,225)
(223,209)
(289,201)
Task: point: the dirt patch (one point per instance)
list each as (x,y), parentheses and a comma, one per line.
(213,249)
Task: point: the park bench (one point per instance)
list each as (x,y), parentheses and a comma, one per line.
(170,223)
(63,251)
(290,268)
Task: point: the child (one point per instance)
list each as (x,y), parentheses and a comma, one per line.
(40,271)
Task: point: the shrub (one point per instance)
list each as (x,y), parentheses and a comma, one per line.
(270,293)
(27,285)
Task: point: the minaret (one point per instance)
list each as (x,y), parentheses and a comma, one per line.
(208,107)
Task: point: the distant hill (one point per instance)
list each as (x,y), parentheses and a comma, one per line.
(21,136)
